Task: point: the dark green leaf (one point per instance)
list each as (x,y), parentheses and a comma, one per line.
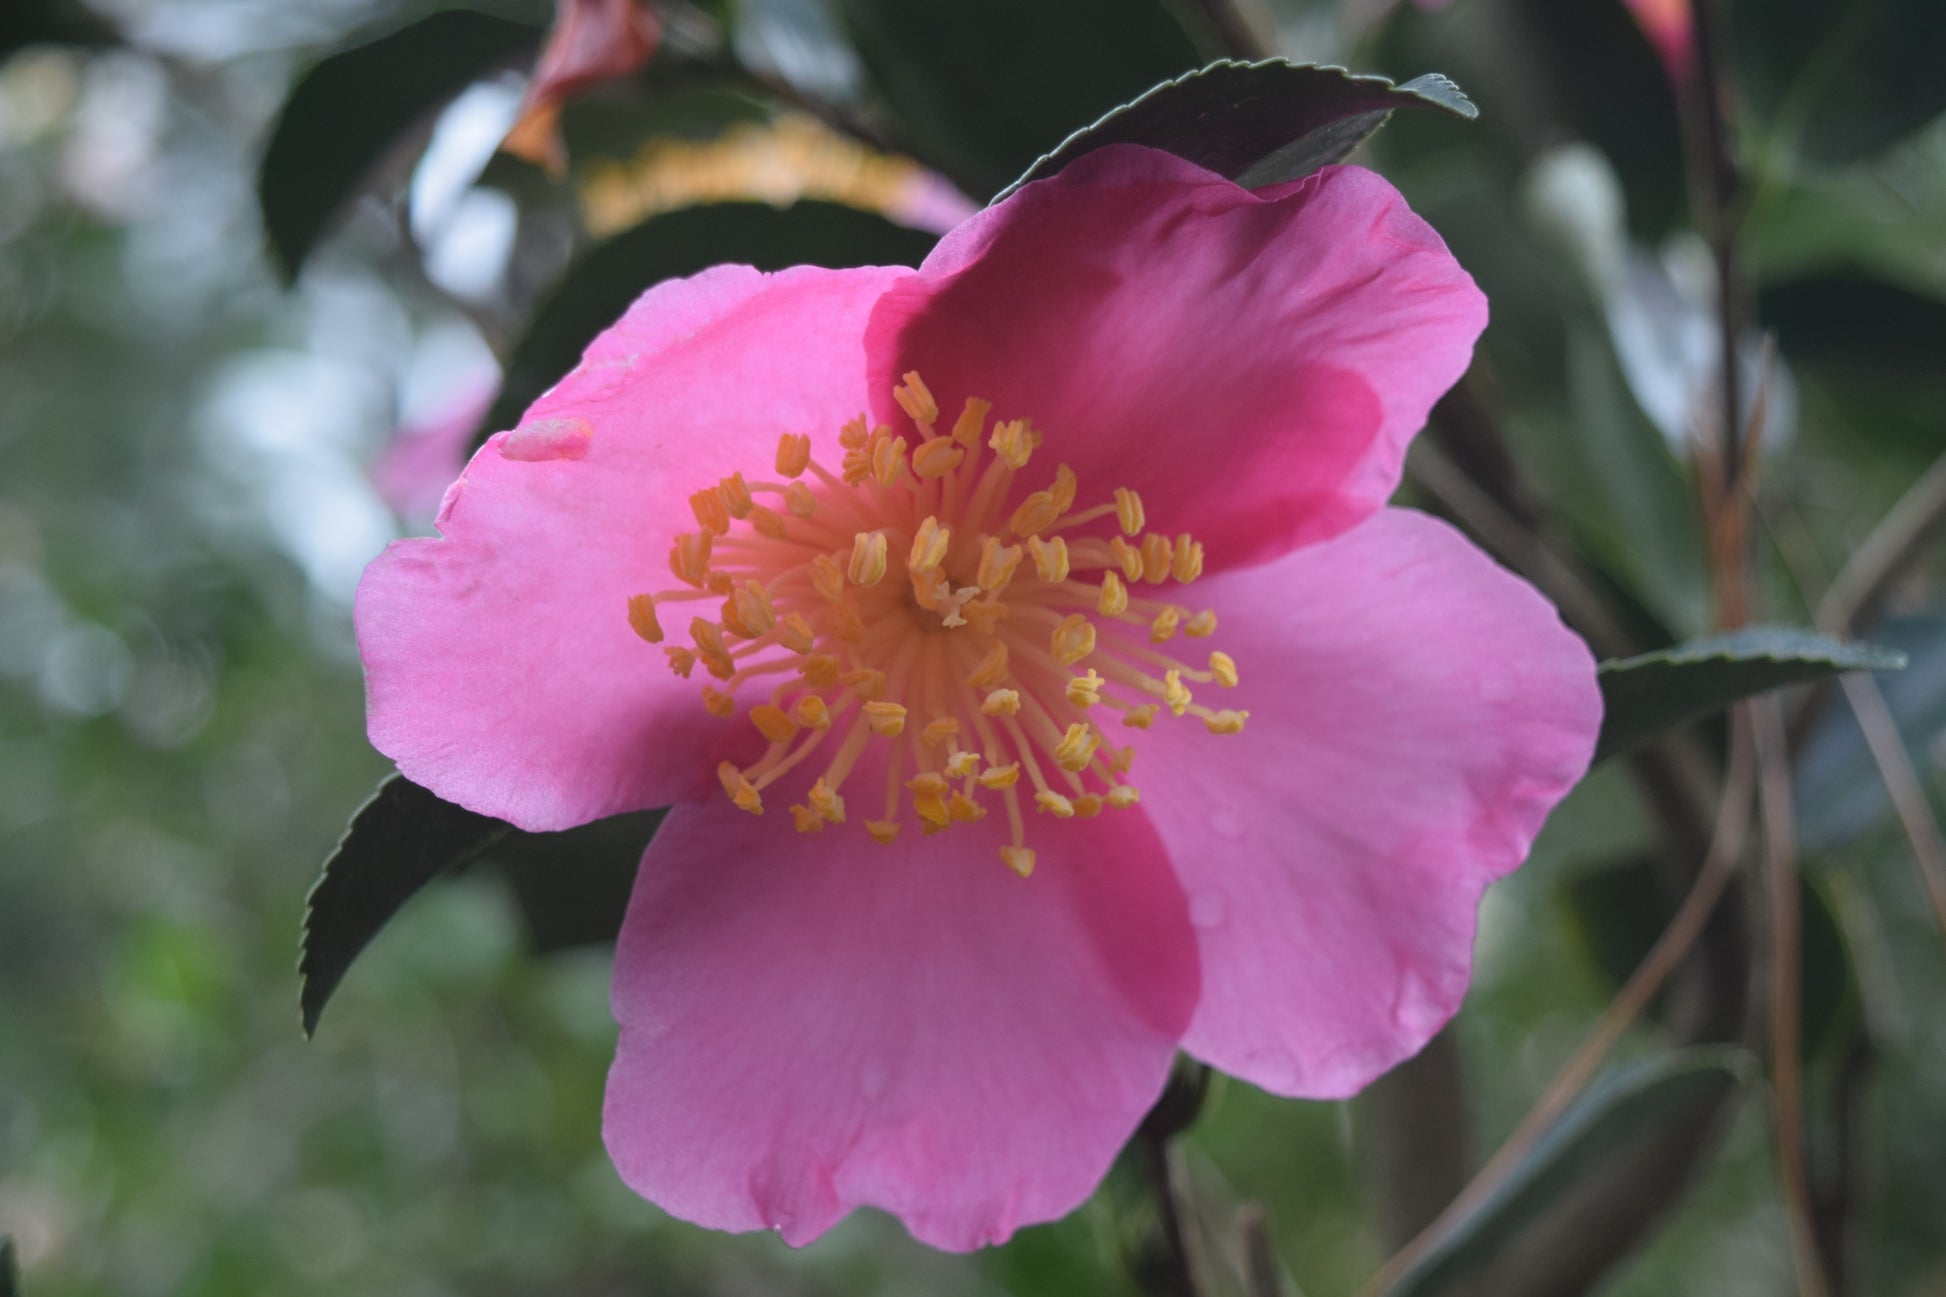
(1619,912)
(598,289)
(9,1268)
(394,845)
(1658,1099)
(1840,795)
(981,90)
(1643,696)
(572,888)
(55,22)
(350,110)
(1257,123)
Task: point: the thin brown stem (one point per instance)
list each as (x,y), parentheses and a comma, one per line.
(1261,1276)
(1726,848)
(1766,719)
(1902,785)
(1180,1273)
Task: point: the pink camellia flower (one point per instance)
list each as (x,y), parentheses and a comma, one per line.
(899,586)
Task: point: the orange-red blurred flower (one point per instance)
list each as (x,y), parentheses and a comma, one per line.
(1670,26)
(592,41)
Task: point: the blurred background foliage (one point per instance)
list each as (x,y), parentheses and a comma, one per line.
(208,426)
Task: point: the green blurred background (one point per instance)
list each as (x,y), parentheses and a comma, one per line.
(187,452)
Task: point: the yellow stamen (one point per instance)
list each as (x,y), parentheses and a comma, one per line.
(1202,625)
(1050,558)
(1122,796)
(1013,443)
(915,398)
(772,723)
(1054,804)
(1175,693)
(999,777)
(992,668)
(997,565)
(641,616)
(1001,702)
(966,429)
(885,718)
(1129,514)
(806,820)
(929,546)
(888,460)
(963,764)
(1128,556)
(1188,563)
(681,660)
(795,634)
(1019,859)
(827,803)
(820,671)
(1140,718)
(740,789)
(689,558)
(810,712)
(707,505)
(868,558)
(1163,629)
(799,500)
(1114,595)
(936,458)
(793,454)
(1076,748)
(827,578)
(1226,722)
(1224,667)
(1085,690)
(768,522)
(754,609)
(882,831)
(718,703)
(1157,552)
(938,730)
(866,682)
(1036,513)
(736,495)
(1073,639)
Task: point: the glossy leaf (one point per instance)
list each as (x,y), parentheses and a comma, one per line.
(1258,123)
(598,288)
(981,90)
(396,843)
(1650,1100)
(572,887)
(347,114)
(1643,696)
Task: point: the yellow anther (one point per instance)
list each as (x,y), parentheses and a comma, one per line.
(963,809)
(1076,748)
(1202,625)
(1188,562)
(938,730)
(689,557)
(1087,806)
(998,777)
(856,467)
(755,609)
(936,458)
(681,660)
(1128,556)
(1224,667)
(1140,718)
(718,703)
(1001,702)
(1073,639)
(810,712)
(732,620)
(1175,693)
(740,789)
(1123,796)
(1120,759)
(866,682)
(1129,514)
(820,671)
(868,557)
(882,831)
(1157,551)
(1226,722)
(1166,623)
(855,433)
(794,633)
(1085,691)
(772,723)
(929,798)
(886,719)
(720,665)
(1018,859)
(985,616)
(793,454)
(768,522)
(799,500)
(1114,595)
(708,637)
(888,460)
(720,583)
(998,563)
(844,621)
(827,578)
(1050,558)
(641,616)
(963,764)
(1013,442)
(929,545)
(915,398)
(806,820)
(707,505)
(966,428)
(736,495)
(826,802)
(1054,804)
(1062,492)
(1036,513)
(992,668)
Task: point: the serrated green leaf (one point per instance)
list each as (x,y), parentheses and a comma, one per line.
(1257,123)
(598,289)
(1642,1102)
(349,111)
(1643,696)
(572,887)
(395,844)
(978,91)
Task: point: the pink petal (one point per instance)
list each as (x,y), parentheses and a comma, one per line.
(501,671)
(816,1023)
(1253,364)
(1415,713)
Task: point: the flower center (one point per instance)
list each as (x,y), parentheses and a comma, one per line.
(897,603)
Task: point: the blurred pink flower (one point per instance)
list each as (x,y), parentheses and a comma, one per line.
(423,458)
(1670,26)
(592,41)
(942,616)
